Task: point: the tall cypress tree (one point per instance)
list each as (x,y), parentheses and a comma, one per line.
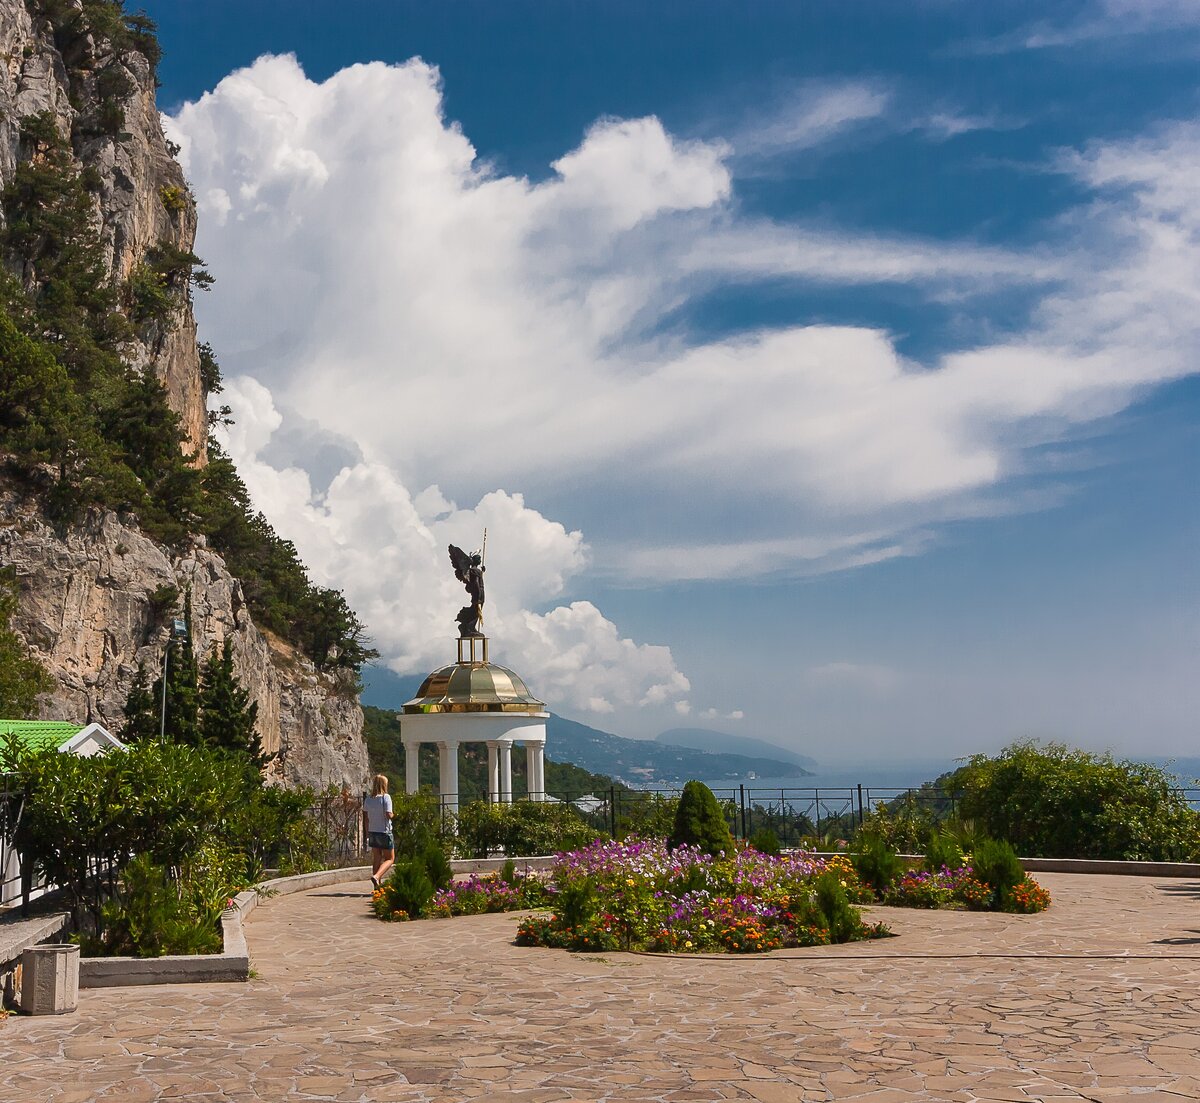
(142,717)
(227,715)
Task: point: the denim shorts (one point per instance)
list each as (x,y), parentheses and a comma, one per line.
(380,840)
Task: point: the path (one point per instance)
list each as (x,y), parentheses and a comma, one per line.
(1097,999)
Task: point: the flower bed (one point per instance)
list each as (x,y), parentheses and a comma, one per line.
(639,894)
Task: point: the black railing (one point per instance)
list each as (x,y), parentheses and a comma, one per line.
(824,817)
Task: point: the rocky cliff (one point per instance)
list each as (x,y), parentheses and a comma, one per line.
(92,591)
(141,197)
(91,609)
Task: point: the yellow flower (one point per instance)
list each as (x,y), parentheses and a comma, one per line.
(688,944)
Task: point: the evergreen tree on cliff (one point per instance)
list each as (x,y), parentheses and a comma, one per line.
(142,717)
(22,678)
(228,717)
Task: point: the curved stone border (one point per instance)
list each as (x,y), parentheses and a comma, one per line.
(232,964)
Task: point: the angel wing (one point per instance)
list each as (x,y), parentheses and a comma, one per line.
(461,562)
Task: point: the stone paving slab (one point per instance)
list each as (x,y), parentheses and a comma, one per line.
(1097,999)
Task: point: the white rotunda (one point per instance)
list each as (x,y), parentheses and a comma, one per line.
(475,701)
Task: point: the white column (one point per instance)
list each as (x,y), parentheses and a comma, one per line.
(412,766)
(506,771)
(493,771)
(541,770)
(448,782)
(533,771)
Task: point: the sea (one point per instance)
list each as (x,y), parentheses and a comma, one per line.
(911,775)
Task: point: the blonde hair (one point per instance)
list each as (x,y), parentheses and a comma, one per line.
(381,784)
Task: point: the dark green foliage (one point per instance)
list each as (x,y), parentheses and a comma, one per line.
(22,678)
(876,863)
(700,822)
(201,814)
(408,887)
(182,700)
(142,717)
(995,863)
(1057,802)
(437,865)
(508,872)
(210,370)
(523,828)
(37,403)
(942,851)
(576,902)
(906,824)
(417,822)
(163,600)
(105,20)
(765,841)
(840,917)
(148,918)
(228,717)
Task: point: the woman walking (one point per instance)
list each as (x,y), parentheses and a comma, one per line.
(378,810)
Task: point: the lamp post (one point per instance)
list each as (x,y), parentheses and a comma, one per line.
(179,631)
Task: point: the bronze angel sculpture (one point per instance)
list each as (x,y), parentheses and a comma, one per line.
(468,569)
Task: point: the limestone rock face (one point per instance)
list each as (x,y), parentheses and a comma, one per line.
(88,610)
(88,597)
(141,199)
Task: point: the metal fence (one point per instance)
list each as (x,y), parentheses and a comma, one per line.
(809,816)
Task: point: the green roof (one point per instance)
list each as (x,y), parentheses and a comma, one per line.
(39,733)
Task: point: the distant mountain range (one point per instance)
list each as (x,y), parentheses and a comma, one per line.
(638,762)
(702,739)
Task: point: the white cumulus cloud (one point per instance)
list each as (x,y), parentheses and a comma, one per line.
(463,329)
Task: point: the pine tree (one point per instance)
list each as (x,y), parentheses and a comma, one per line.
(22,678)
(142,710)
(227,715)
(183,699)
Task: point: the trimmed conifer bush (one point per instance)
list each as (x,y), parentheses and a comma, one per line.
(699,821)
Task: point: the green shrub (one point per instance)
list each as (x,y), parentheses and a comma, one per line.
(1054,801)
(437,866)
(406,893)
(840,918)
(876,863)
(942,851)
(521,829)
(765,841)
(996,864)
(700,822)
(149,918)
(508,872)
(576,902)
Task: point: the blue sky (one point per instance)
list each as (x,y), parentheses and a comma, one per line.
(954,246)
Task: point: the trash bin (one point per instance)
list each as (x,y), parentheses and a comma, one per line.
(50,979)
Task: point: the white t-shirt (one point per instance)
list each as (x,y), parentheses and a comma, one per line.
(378,810)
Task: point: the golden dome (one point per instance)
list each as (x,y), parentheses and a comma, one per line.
(473,687)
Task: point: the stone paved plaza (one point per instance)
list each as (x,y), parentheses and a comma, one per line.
(1098,999)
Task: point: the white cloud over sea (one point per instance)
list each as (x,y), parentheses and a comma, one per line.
(458,329)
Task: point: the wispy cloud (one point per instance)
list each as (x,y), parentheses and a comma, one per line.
(1096,22)
(810,115)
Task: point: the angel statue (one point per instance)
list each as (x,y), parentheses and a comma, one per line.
(468,569)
